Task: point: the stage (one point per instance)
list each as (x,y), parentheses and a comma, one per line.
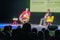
(32,26)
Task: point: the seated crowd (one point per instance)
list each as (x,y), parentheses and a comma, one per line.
(26,33)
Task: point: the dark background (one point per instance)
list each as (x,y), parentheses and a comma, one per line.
(13,8)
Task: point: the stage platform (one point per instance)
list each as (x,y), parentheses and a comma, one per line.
(32,26)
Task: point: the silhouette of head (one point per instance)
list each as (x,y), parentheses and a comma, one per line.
(34,30)
(26,27)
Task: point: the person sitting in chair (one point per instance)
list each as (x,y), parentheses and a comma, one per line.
(25,16)
(44,19)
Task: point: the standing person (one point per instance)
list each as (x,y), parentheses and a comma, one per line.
(25,16)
